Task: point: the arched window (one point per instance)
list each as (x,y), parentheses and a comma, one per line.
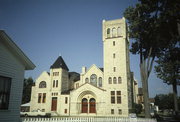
(92,105)
(93,79)
(87,80)
(114,32)
(108,33)
(119,31)
(100,81)
(114,80)
(42,84)
(119,80)
(84,107)
(110,80)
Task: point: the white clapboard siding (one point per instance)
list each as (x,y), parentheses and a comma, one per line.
(88,119)
(11,67)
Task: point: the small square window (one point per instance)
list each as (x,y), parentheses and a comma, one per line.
(114,55)
(112,92)
(119,111)
(66,100)
(114,43)
(114,69)
(112,111)
(65,111)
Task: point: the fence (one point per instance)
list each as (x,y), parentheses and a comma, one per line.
(88,119)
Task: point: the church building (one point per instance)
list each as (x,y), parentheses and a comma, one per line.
(96,91)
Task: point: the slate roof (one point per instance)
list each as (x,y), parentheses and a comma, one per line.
(74,76)
(102,69)
(59,63)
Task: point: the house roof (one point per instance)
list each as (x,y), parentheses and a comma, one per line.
(59,63)
(102,69)
(74,76)
(16,51)
(26,104)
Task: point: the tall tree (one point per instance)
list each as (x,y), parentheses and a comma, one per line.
(149,28)
(168,69)
(28,83)
(164,101)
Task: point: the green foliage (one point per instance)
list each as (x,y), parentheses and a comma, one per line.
(164,101)
(152,24)
(138,108)
(168,67)
(28,83)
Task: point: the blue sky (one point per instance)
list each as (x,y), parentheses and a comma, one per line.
(45,29)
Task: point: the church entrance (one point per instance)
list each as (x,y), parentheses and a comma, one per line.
(92,105)
(84,105)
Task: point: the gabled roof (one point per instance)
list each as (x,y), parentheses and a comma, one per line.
(6,40)
(59,63)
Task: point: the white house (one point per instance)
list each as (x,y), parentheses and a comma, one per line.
(13,63)
(96,91)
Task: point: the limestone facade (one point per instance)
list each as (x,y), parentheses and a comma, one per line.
(96,91)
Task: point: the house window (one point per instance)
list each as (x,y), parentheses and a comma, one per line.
(77,85)
(55,73)
(44,98)
(113,32)
(118,97)
(65,111)
(114,43)
(114,55)
(112,111)
(114,69)
(43,110)
(87,80)
(108,32)
(66,100)
(112,97)
(119,80)
(119,31)
(114,80)
(119,111)
(93,79)
(100,81)
(39,97)
(5,87)
(53,83)
(42,84)
(110,80)
(56,83)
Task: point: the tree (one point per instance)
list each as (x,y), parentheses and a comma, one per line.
(28,83)
(168,70)
(152,31)
(164,101)
(138,108)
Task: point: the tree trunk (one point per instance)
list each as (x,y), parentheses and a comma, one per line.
(175,97)
(144,79)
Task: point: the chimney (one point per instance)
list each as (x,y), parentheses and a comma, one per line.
(83,70)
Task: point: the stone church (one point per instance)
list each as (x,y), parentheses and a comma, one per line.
(96,91)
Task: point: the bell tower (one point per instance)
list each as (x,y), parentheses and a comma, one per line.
(116,65)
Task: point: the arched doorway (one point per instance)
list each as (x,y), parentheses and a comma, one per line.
(84,105)
(92,105)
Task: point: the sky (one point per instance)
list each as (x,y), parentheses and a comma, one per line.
(46,29)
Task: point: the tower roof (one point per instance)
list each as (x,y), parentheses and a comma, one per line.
(59,63)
